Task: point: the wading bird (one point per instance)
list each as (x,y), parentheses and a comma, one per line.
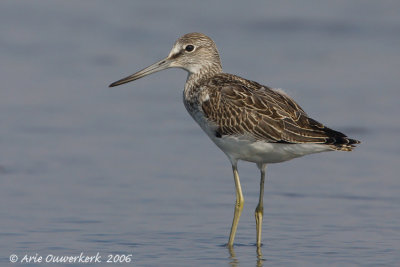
(246,120)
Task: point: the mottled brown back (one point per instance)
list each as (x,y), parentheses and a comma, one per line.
(242,107)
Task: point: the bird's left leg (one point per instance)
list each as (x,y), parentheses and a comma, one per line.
(238,204)
(260,207)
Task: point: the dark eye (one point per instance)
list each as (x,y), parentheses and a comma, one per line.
(189,48)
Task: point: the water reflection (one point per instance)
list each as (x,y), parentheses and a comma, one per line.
(260,258)
(235,261)
(232,255)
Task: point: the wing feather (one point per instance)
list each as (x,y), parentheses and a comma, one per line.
(242,107)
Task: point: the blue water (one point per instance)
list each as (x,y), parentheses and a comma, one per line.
(86,168)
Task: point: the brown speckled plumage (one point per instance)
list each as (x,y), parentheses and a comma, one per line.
(242,107)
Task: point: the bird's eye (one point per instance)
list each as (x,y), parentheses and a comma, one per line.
(189,48)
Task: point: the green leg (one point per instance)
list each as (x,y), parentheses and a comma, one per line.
(260,207)
(238,205)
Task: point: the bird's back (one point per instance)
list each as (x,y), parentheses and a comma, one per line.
(240,107)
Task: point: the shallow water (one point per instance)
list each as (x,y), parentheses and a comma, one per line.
(86,168)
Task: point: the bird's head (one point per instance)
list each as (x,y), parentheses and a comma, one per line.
(193,52)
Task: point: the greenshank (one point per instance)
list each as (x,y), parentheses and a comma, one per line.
(246,120)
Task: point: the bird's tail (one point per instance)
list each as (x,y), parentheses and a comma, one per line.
(342,143)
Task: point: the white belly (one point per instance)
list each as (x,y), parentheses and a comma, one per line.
(243,148)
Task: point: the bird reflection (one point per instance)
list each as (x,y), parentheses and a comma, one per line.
(234,261)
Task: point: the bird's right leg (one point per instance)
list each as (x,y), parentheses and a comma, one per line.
(238,205)
(260,207)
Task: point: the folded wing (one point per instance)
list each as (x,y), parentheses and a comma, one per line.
(242,107)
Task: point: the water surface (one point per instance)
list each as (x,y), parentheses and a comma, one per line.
(86,168)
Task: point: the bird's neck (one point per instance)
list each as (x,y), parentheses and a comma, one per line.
(194,79)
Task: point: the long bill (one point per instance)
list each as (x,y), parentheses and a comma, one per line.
(158,66)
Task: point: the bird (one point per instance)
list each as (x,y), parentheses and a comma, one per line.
(248,121)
